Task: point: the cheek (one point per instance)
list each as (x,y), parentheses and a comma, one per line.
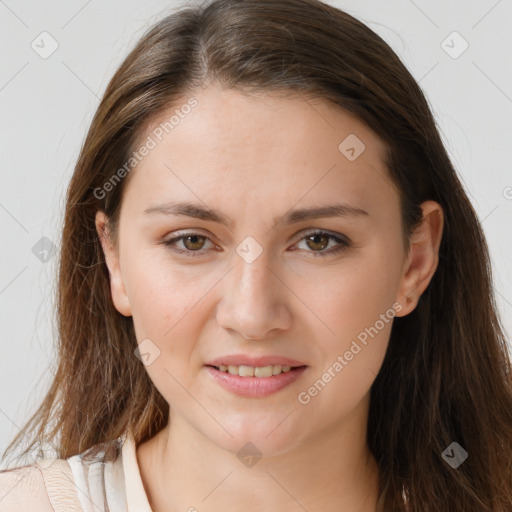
(360,319)
(168,308)
(166,299)
(355,302)
(357,308)
(353,296)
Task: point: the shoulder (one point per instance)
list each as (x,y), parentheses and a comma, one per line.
(65,485)
(44,486)
(23,487)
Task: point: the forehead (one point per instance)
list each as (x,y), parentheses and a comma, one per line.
(264,148)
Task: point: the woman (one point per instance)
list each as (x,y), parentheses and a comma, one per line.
(210,359)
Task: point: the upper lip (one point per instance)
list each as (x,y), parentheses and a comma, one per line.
(245,360)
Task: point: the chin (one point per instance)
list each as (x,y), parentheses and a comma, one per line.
(266,437)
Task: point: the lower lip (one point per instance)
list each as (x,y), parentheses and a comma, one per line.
(254,387)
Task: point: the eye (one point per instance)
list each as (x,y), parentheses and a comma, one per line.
(193,243)
(316,240)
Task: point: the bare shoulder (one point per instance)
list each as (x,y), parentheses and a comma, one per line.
(24,487)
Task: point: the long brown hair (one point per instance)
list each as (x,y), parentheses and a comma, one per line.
(446,376)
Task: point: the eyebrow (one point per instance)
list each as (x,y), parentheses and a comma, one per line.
(293,216)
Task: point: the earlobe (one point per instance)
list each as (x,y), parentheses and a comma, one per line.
(423,257)
(117,286)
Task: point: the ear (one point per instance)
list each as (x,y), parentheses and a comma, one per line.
(117,287)
(423,257)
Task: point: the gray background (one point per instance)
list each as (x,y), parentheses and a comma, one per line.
(47,104)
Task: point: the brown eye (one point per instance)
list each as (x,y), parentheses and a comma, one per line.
(317,242)
(194,242)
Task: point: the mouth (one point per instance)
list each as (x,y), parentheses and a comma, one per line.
(256,371)
(255,381)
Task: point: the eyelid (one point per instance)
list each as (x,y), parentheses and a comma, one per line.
(313,231)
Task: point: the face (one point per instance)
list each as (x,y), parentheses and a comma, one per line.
(257,277)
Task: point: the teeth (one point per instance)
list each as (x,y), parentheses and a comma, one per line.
(251,371)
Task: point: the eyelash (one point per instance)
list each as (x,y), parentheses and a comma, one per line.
(343,244)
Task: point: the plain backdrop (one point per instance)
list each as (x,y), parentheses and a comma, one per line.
(459,51)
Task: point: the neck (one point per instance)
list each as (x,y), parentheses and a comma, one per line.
(181,469)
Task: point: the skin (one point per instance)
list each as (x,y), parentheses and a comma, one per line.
(255,158)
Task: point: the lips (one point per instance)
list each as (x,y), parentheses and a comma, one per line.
(255,387)
(246,360)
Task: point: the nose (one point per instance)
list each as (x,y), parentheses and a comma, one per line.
(254,299)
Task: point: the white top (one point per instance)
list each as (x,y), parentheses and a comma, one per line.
(76,484)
